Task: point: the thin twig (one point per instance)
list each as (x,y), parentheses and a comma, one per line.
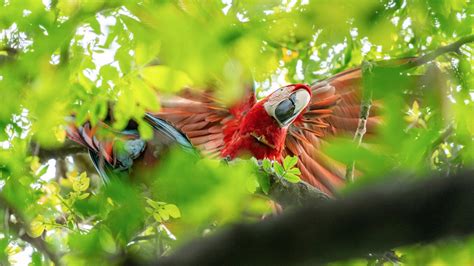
(73,213)
(365,105)
(143,238)
(453,47)
(6,221)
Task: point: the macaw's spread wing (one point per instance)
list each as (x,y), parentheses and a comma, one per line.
(110,150)
(190,119)
(113,152)
(205,120)
(333,110)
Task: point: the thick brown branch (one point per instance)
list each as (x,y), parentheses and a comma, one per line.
(375,219)
(294,194)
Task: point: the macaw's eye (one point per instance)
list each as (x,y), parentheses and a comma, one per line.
(285,110)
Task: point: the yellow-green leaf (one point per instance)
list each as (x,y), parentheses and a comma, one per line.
(172,210)
(107,242)
(144,94)
(165,78)
(37,226)
(289,162)
(278,168)
(292,178)
(157,217)
(164,214)
(81,183)
(83,196)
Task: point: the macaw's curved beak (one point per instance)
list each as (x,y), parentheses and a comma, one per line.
(286,111)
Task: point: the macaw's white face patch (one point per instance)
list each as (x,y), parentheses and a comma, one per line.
(286,104)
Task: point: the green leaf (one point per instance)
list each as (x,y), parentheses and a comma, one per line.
(172,210)
(37,227)
(153,203)
(36,259)
(34,163)
(80,183)
(94,24)
(292,178)
(165,78)
(3,249)
(164,214)
(278,169)
(267,165)
(294,170)
(109,72)
(107,242)
(264,182)
(83,196)
(124,59)
(289,162)
(252,184)
(144,94)
(145,130)
(157,217)
(42,170)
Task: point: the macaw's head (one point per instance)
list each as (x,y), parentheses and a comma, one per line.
(262,132)
(287,103)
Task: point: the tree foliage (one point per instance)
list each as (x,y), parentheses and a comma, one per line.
(65,57)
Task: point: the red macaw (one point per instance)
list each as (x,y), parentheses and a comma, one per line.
(294,120)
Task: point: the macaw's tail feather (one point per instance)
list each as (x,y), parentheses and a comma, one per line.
(104,169)
(170,132)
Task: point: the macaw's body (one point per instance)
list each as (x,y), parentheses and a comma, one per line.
(256,132)
(294,120)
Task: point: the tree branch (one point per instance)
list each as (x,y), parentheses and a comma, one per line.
(19,228)
(375,219)
(68,148)
(294,194)
(453,47)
